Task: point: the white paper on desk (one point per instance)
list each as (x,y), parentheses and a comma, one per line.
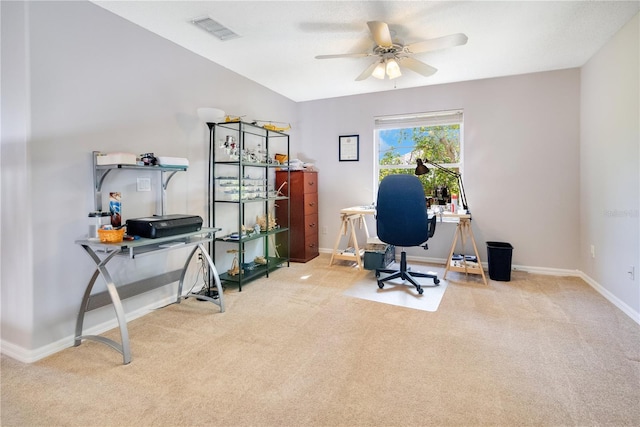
(173,161)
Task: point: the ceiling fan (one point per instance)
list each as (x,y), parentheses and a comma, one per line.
(390,54)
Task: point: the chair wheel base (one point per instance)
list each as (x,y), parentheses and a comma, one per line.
(405,274)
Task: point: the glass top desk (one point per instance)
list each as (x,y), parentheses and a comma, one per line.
(102,253)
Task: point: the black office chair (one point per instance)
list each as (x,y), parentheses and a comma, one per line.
(402,221)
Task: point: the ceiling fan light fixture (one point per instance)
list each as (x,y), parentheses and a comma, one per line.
(379,71)
(389,52)
(393,69)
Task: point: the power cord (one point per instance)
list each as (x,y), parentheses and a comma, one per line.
(206,288)
(202,269)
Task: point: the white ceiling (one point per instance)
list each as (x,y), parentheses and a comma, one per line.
(279,40)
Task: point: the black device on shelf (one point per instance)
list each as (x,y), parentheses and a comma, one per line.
(163,225)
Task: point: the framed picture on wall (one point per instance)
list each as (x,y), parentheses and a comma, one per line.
(348,148)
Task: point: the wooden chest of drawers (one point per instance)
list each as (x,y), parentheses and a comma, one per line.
(303,224)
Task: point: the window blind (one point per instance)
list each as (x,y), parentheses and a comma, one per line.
(439,118)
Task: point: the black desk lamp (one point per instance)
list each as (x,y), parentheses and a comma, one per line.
(421,169)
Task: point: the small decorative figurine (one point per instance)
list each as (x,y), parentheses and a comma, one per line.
(262,222)
(235,268)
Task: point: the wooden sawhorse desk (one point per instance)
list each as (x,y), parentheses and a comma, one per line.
(463,231)
(351,218)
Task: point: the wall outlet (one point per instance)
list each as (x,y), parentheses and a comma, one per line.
(632,272)
(324,230)
(144,184)
(593,251)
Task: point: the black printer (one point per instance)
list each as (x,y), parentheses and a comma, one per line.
(163,225)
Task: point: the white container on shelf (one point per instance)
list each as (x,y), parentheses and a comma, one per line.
(96,221)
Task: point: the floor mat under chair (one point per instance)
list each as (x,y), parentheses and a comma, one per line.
(401,294)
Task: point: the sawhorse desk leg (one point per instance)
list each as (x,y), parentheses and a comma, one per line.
(348,227)
(463,230)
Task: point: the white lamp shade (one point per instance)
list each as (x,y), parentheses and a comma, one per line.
(393,69)
(378,72)
(210,115)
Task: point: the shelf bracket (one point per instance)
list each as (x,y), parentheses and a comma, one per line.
(163,196)
(165,183)
(100,174)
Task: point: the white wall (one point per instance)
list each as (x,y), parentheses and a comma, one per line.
(521,151)
(16,248)
(79,78)
(76,78)
(609,167)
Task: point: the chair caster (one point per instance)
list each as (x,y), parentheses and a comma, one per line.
(420,291)
(436,281)
(380,285)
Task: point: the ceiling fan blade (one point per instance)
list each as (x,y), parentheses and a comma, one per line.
(344,55)
(439,43)
(367,73)
(418,67)
(380,32)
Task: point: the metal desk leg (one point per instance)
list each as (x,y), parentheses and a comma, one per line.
(220,300)
(83,309)
(124,347)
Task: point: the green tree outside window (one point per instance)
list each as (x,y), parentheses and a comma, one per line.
(438,144)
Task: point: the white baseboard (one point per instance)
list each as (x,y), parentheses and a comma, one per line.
(29,356)
(15,352)
(525,268)
(634,315)
(24,355)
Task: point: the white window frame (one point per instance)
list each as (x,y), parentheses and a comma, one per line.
(409,121)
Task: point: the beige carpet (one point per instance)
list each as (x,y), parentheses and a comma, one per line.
(292,350)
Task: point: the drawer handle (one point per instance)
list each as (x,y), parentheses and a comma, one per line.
(311,183)
(312,245)
(312,204)
(312,225)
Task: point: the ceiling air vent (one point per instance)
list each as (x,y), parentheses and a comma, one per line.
(215,28)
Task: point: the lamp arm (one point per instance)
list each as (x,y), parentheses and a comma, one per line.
(463,197)
(442,168)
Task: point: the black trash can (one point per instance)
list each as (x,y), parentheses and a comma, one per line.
(499,258)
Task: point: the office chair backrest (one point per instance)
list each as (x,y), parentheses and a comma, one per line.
(432,225)
(401,217)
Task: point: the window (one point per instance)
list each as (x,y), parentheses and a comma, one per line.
(437,137)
